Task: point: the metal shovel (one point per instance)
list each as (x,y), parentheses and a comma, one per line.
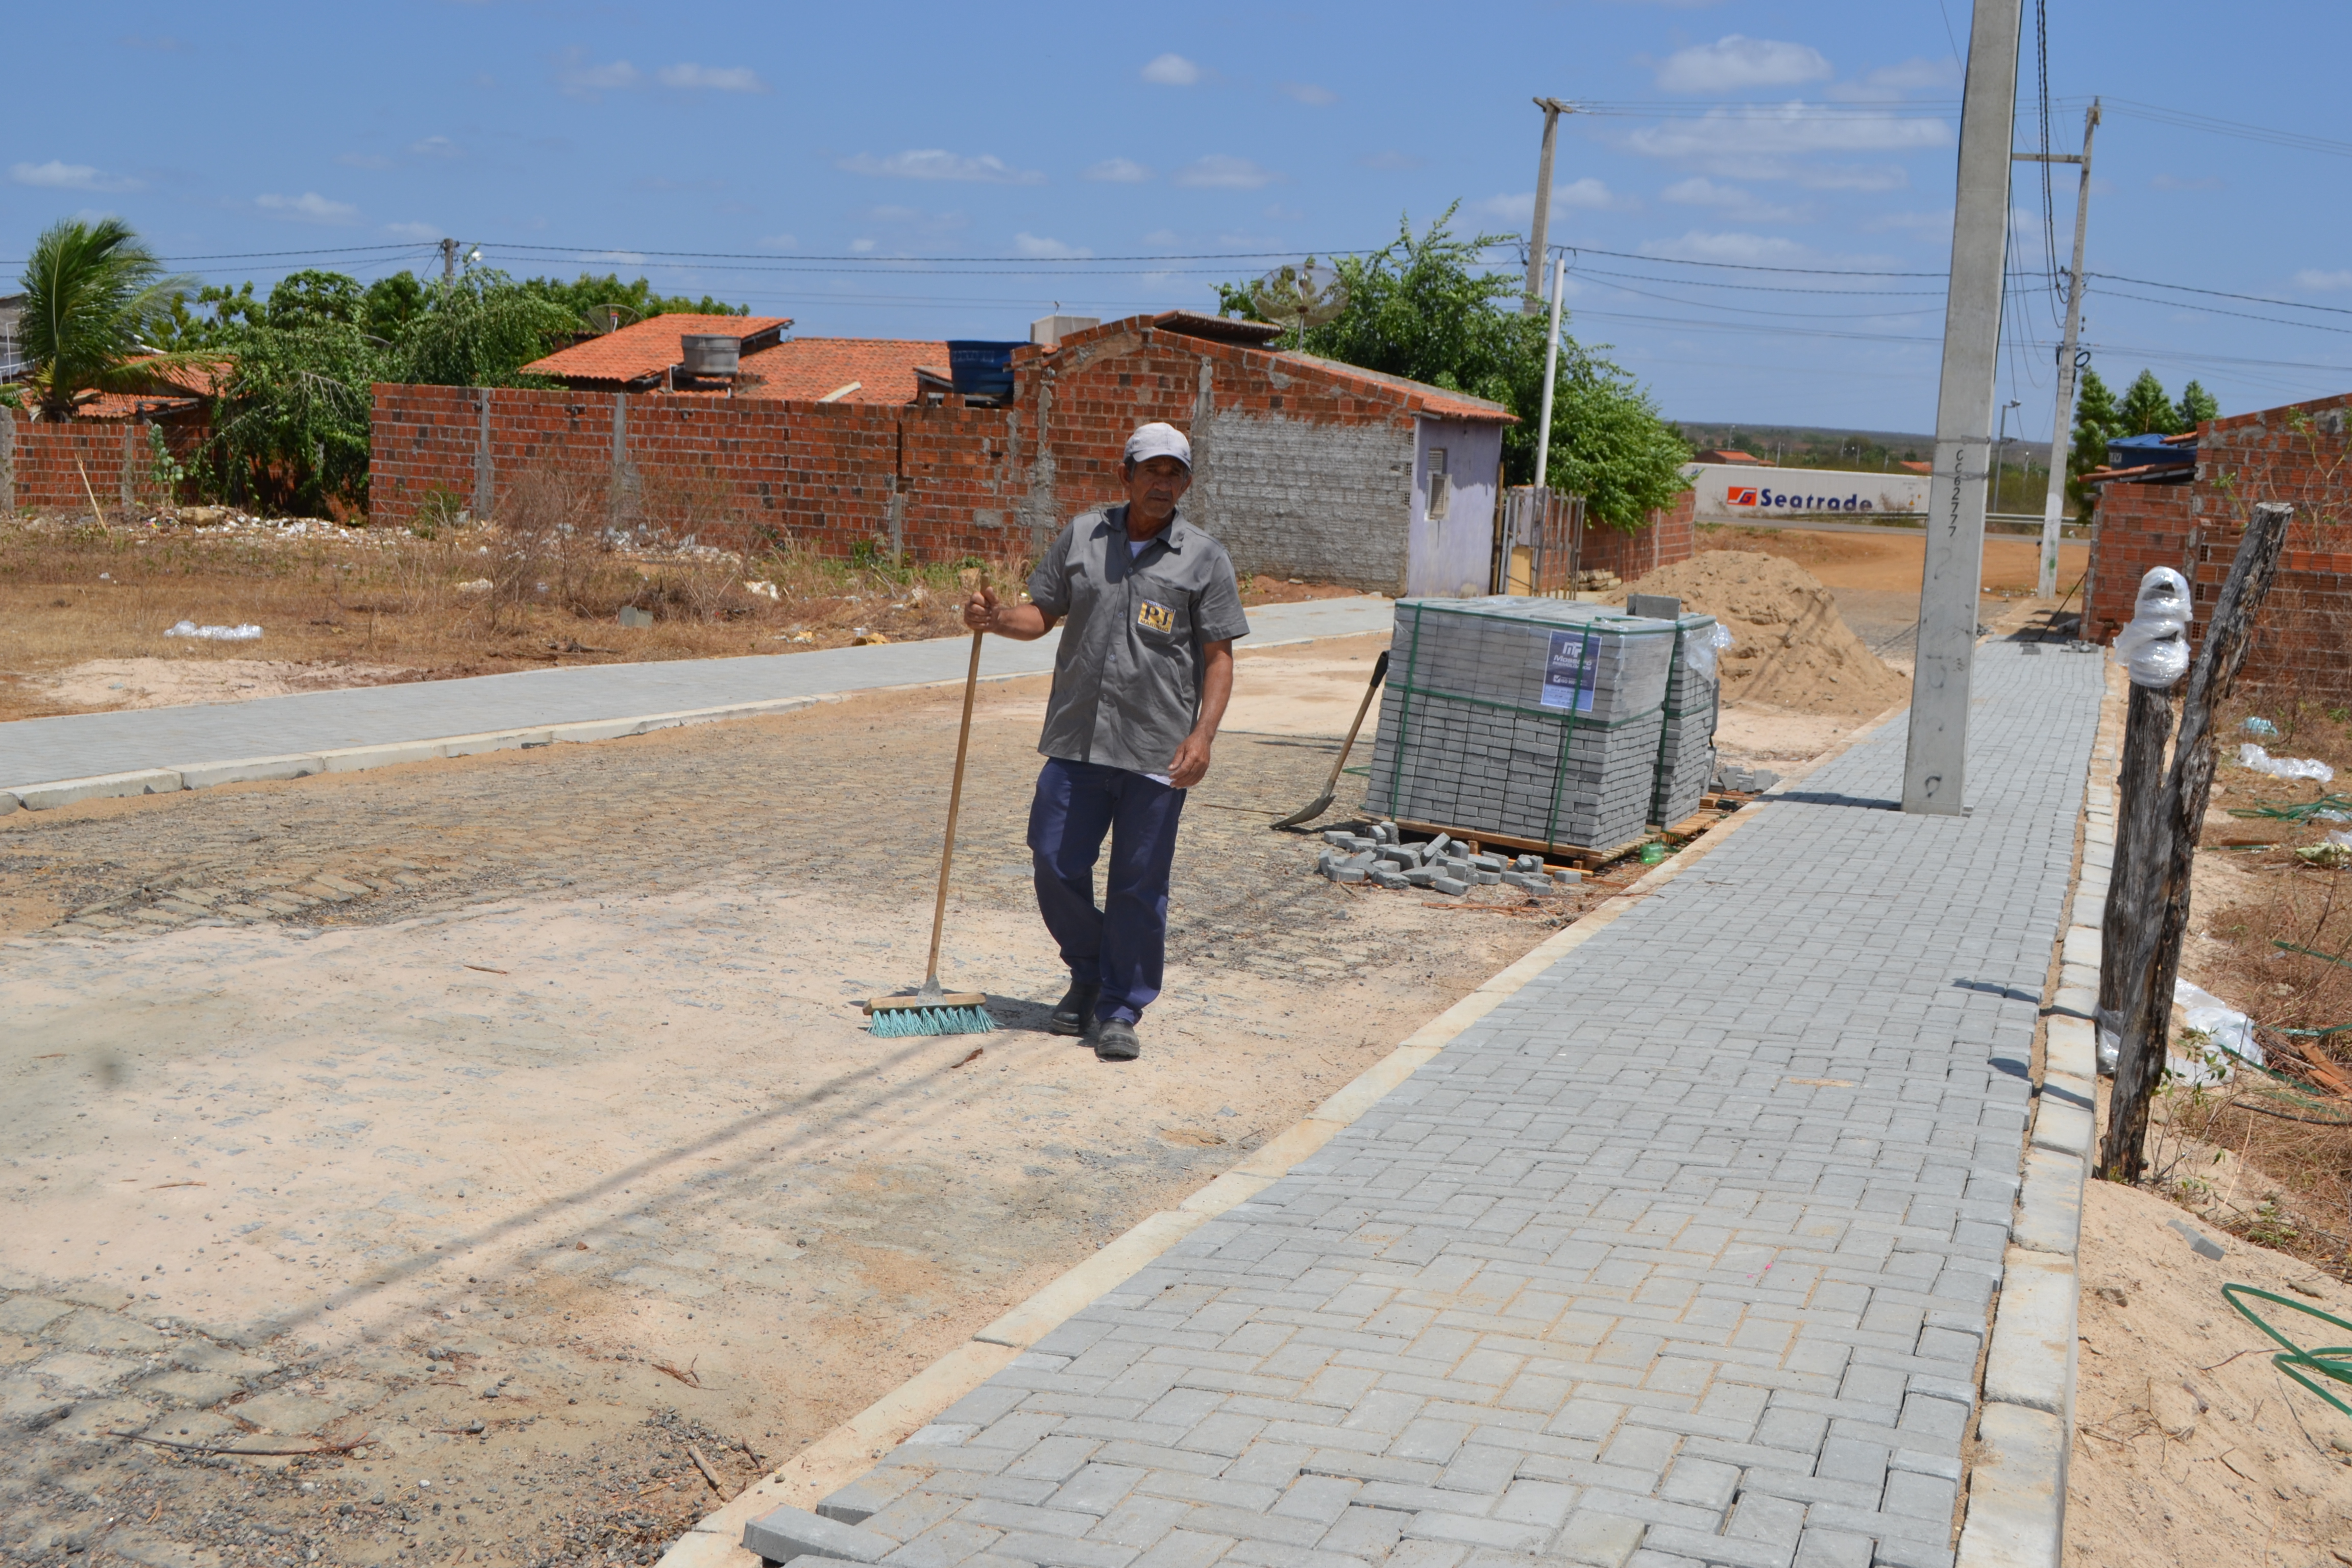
(1331,785)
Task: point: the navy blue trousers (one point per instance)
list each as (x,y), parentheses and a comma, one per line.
(1121,945)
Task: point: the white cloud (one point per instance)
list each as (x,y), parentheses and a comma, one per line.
(1916,74)
(436,147)
(1391,161)
(1119,172)
(308,207)
(711,78)
(55,175)
(1221,172)
(2182,182)
(576,76)
(1307,93)
(1172,70)
(1736,204)
(1733,63)
(781,242)
(933,164)
(363,161)
(1732,140)
(861,246)
(414,231)
(2312,277)
(1587,192)
(1039,245)
(1700,246)
(1164,237)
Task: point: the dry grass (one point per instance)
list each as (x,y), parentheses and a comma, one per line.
(364,607)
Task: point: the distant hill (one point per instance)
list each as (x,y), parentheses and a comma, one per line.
(1816,446)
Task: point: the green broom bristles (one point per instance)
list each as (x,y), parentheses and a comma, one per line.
(890,1022)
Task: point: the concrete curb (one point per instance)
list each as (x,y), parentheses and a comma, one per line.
(844,1454)
(45,796)
(2026,1425)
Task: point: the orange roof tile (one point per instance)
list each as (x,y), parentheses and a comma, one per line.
(810,368)
(643,350)
(1419,395)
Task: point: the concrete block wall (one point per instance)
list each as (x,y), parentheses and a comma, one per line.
(2301,454)
(43,465)
(1669,536)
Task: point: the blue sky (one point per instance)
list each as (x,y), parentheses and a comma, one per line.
(821,148)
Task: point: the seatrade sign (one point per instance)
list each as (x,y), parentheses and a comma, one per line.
(1745,492)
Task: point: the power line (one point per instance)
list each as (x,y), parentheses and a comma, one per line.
(1764,287)
(2298,140)
(2240,315)
(2222,294)
(1576,250)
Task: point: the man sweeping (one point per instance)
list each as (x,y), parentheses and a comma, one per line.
(1141,684)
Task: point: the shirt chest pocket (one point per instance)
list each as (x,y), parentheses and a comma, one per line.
(1162,615)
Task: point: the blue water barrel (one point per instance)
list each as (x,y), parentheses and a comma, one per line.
(980,368)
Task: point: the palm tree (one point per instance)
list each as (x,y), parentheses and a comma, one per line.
(93,293)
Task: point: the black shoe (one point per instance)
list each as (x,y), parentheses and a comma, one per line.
(1075,1013)
(1114,1041)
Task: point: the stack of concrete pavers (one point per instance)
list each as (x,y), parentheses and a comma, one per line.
(1443,864)
(1532,719)
(1686,750)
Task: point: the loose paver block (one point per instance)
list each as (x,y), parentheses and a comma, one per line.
(1681,1252)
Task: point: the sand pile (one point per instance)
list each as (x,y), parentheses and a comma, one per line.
(1789,645)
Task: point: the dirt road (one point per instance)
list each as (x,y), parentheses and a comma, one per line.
(513,1112)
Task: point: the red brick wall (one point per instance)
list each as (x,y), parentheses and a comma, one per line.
(1669,536)
(722,472)
(2300,454)
(43,470)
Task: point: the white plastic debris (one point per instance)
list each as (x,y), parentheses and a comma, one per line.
(765,590)
(2228,1034)
(478,585)
(2251,755)
(1702,651)
(2154,649)
(249,632)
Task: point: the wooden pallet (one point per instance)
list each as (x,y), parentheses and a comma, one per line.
(1582,857)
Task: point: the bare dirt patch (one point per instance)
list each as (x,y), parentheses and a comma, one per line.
(514,1113)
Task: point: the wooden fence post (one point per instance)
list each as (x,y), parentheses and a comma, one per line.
(2162,858)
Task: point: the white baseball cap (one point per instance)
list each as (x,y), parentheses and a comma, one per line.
(1157,440)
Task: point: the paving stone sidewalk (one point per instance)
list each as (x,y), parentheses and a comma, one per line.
(84,745)
(1682,1255)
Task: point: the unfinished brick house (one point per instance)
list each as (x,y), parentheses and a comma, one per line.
(1303,468)
(105,453)
(2188,515)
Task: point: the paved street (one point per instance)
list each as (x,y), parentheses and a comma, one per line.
(1682,1255)
(36,751)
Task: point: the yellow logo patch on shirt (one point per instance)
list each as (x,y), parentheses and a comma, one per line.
(1155,617)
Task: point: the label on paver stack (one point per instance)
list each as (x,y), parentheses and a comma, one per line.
(1541,720)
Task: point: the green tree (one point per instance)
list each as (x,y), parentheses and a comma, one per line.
(2145,410)
(301,297)
(2096,422)
(480,328)
(391,303)
(94,297)
(2197,406)
(1424,309)
(291,419)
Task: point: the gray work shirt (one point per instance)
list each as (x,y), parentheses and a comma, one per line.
(1127,679)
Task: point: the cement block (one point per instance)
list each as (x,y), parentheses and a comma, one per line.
(8,802)
(789,1532)
(2032,1359)
(2082,946)
(1453,886)
(2049,1215)
(2071,1046)
(1389,879)
(2062,1128)
(1348,873)
(509,740)
(251,770)
(360,759)
(99,786)
(2017,1490)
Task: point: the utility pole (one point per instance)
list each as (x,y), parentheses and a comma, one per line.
(1935,761)
(2062,436)
(1551,369)
(1553,109)
(449,261)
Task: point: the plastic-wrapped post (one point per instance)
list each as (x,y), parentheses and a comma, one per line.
(2154,651)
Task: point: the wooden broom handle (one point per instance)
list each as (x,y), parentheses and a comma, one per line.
(955,803)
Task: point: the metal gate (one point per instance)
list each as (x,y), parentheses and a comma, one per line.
(1536,544)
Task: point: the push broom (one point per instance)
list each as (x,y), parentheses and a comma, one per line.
(931,1010)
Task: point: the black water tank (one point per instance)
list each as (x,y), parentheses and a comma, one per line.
(981,368)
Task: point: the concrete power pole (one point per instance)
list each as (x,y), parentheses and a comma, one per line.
(449,261)
(2061,434)
(1935,761)
(1551,370)
(1553,109)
